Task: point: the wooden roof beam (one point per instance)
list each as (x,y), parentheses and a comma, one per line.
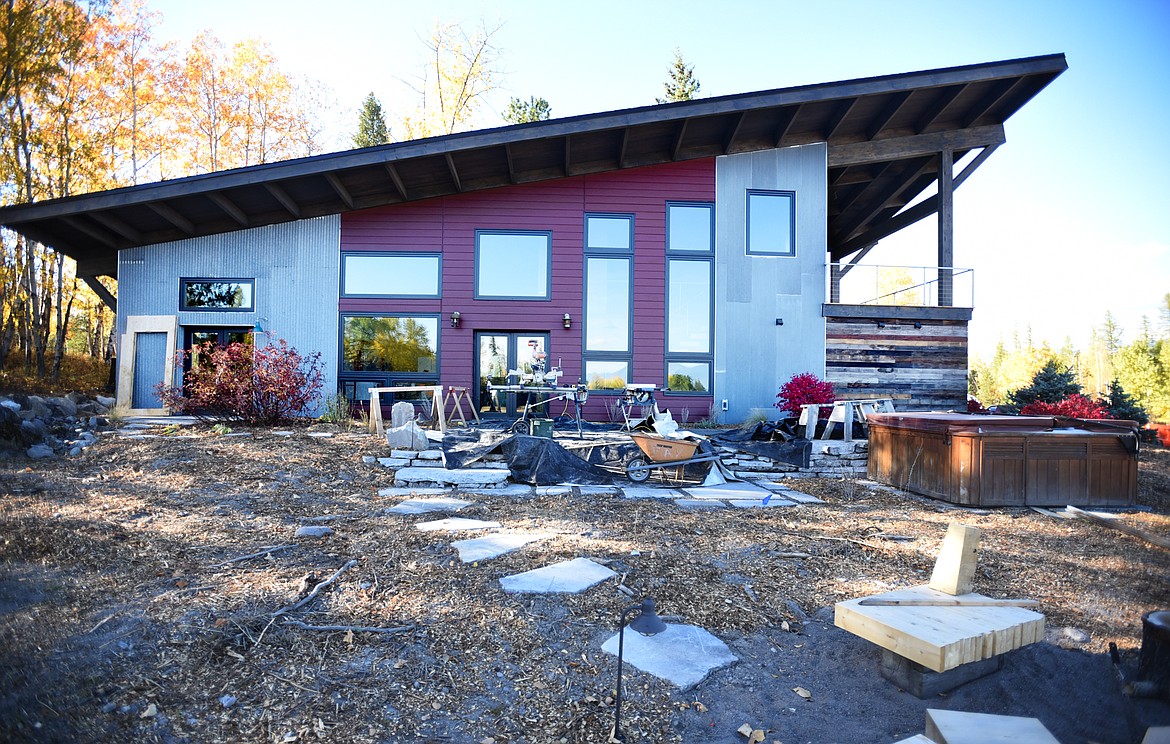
(117,226)
(840,113)
(945,97)
(732,131)
(568,153)
(885,190)
(678,139)
(397,180)
(339,189)
(892,107)
(173,217)
(453,171)
(102,292)
(877,151)
(285,200)
(787,116)
(621,161)
(97,234)
(998,93)
(227,206)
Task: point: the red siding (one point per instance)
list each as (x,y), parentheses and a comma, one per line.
(449,224)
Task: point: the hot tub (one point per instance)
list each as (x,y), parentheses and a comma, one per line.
(1006,460)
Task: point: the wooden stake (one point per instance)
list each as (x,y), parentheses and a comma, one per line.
(954,570)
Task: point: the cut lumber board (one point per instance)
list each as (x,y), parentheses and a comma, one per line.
(1157,735)
(1161,542)
(958,727)
(954,569)
(960,601)
(940,637)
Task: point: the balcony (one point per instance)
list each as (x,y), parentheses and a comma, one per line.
(901,286)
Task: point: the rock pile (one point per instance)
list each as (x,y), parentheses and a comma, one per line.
(38,427)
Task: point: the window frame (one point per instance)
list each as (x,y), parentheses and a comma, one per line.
(747,238)
(393,254)
(710,207)
(186,280)
(547,297)
(607,253)
(344,374)
(705,256)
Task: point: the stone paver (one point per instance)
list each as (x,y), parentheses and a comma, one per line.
(760,503)
(647,492)
(700,503)
(482,548)
(426,505)
(403,491)
(802,498)
(731,490)
(570,577)
(682,654)
(464,477)
(512,489)
(456,524)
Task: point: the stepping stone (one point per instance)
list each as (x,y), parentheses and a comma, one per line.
(682,654)
(314,531)
(700,503)
(400,491)
(455,524)
(646,492)
(321,434)
(802,498)
(554,490)
(482,548)
(588,490)
(761,503)
(512,489)
(773,486)
(732,490)
(463,478)
(423,506)
(571,577)
(393,462)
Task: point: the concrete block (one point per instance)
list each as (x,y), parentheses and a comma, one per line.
(924,683)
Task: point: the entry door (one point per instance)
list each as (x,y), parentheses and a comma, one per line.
(196,336)
(496,353)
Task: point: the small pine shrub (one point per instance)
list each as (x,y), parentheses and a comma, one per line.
(258,385)
(1051,384)
(804,388)
(1122,405)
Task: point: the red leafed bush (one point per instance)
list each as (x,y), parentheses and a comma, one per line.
(1074,406)
(802,389)
(974,406)
(254,384)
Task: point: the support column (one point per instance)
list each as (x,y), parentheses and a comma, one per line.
(946,228)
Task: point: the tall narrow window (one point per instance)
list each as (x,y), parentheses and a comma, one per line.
(690,264)
(609,247)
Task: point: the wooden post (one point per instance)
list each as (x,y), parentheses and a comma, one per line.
(954,570)
(946,228)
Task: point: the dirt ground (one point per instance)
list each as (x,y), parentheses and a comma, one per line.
(129,610)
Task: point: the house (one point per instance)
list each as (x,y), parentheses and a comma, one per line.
(709,247)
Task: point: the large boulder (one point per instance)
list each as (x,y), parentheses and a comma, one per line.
(407,437)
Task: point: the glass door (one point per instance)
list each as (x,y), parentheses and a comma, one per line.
(196,340)
(497,352)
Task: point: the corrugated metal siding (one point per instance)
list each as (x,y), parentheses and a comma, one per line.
(449,224)
(753,355)
(295,266)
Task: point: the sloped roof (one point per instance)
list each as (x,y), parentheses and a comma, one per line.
(883,135)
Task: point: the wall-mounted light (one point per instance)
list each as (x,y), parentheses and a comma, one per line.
(917,324)
(779,321)
(455,319)
(567,320)
(258,327)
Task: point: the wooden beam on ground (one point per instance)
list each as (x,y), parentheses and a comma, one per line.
(954,569)
(960,727)
(285,200)
(339,189)
(918,145)
(955,602)
(221,201)
(100,290)
(1161,542)
(173,217)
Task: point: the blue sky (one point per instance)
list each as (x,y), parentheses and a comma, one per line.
(1065,221)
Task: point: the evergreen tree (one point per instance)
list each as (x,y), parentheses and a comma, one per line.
(534,109)
(372,129)
(682,85)
(1121,405)
(1052,384)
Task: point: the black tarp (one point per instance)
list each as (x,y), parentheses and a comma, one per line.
(536,460)
(771,439)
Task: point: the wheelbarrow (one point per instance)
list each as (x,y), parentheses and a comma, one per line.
(661,452)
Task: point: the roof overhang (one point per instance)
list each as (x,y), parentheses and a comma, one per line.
(883,133)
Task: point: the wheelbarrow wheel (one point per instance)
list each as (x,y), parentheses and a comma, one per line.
(637,476)
(520,427)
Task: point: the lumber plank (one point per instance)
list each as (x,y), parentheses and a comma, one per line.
(954,569)
(960,727)
(958,601)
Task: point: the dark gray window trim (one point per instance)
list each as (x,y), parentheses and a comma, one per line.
(708,356)
(688,359)
(185,280)
(393,254)
(344,374)
(608,215)
(711,210)
(548,279)
(627,359)
(791,222)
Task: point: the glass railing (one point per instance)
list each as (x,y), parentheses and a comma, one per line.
(910,286)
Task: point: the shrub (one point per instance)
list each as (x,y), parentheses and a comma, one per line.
(255,384)
(1122,405)
(1051,384)
(802,389)
(1074,406)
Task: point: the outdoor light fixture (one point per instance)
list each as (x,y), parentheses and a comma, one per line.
(257,327)
(647,623)
(568,320)
(455,319)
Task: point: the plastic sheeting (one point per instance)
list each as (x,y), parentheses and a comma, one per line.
(535,460)
(774,440)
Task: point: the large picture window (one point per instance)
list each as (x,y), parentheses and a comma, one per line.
(690,265)
(513,265)
(217,294)
(609,266)
(390,275)
(380,343)
(771,223)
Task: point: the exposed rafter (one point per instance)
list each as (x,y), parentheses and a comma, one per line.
(888,112)
(220,200)
(621,160)
(173,217)
(787,116)
(838,118)
(732,131)
(285,200)
(339,189)
(678,139)
(118,226)
(568,152)
(82,225)
(945,98)
(453,171)
(895,148)
(401,187)
(999,91)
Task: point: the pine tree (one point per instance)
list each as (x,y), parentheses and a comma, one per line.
(372,129)
(682,85)
(534,109)
(1051,384)
(1123,406)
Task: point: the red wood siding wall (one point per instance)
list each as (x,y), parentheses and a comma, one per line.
(448,224)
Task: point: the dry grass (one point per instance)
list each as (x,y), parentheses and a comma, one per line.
(122,618)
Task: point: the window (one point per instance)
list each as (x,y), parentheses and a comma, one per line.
(690,266)
(400,344)
(771,223)
(390,275)
(217,294)
(609,265)
(513,265)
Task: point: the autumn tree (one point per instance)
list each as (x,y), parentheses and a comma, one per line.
(521,112)
(681,83)
(372,129)
(460,71)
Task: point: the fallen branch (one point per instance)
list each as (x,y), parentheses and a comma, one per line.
(316,590)
(352,628)
(838,539)
(265,551)
(1158,540)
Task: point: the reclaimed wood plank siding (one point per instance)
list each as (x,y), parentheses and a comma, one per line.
(448,224)
(921,369)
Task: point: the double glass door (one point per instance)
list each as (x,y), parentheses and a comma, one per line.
(197,338)
(497,352)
